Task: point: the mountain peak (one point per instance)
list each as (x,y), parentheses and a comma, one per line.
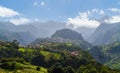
(68,34)
(105,34)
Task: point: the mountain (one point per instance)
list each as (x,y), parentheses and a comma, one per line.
(105,34)
(66,36)
(28,32)
(36,30)
(9,32)
(41,29)
(85,31)
(6,25)
(108,55)
(99,55)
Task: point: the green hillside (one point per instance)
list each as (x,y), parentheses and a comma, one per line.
(110,53)
(48,58)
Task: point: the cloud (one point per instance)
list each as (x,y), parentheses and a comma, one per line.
(20,21)
(42,3)
(113,19)
(35,3)
(83,20)
(114,9)
(98,11)
(39,3)
(7,12)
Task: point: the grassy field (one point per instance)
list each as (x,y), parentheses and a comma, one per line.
(21,49)
(47,54)
(25,68)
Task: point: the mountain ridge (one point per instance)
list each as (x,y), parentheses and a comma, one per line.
(105,34)
(66,36)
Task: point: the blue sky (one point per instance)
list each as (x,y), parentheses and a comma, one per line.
(59,10)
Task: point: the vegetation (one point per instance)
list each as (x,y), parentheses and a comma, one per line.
(108,55)
(48,58)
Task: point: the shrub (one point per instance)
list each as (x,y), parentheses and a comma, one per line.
(38,68)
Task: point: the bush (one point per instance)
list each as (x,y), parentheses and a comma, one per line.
(57,68)
(38,68)
(69,69)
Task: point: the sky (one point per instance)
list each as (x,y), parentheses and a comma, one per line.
(79,13)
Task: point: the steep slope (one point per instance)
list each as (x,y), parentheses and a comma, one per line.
(107,54)
(65,36)
(10,32)
(105,34)
(41,29)
(6,26)
(28,32)
(7,32)
(22,37)
(46,60)
(68,34)
(99,55)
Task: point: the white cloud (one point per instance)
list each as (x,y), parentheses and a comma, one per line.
(36,19)
(83,15)
(82,20)
(7,12)
(42,3)
(98,11)
(113,19)
(35,3)
(39,3)
(114,9)
(20,21)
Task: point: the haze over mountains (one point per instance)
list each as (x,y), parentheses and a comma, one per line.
(28,32)
(105,33)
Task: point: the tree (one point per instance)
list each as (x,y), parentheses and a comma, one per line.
(57,68)
(15,44)
(69,69)
(38,68)
(38,60)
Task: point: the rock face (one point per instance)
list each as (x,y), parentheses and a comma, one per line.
(105,34)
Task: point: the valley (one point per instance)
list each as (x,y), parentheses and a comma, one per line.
(59,36)
(65,52)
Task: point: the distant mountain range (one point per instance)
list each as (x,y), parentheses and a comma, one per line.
(106,34)
(28,32)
